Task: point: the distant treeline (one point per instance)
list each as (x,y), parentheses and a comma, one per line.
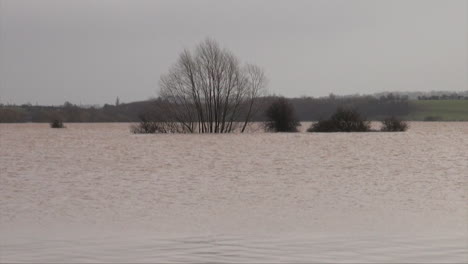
(71,113)
(307,109)
(432,95)
(443,97)
(371,107)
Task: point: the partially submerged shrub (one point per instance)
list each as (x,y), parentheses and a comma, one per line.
(147,126)
(343,120)
(281,117)
(56,123)
(393,124)
(151,123)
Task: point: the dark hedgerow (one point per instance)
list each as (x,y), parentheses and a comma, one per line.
(343,120)
(393,124)
(56,123)
(281,116)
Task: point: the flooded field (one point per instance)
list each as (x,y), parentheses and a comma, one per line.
(97,193)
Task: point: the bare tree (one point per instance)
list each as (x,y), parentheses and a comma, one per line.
(257,90)
(209,91)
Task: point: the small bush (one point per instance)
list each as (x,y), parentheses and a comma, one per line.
(147,126)
(281,117)
(343,120)
(56,123)
(393,124)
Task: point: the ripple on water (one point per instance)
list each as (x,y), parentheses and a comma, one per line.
(241,249)
(254,186)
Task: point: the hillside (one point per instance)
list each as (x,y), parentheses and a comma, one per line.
(438,110)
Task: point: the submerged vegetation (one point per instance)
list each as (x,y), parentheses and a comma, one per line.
(350,120)
(145,126)
(281,117)
(152,123)
(393,124)
(343,120)
(56,123)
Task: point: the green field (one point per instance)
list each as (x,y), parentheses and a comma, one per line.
(439,110)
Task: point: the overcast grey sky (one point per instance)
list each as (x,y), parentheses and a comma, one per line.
(90,52)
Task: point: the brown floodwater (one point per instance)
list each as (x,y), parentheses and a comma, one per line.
(97,193)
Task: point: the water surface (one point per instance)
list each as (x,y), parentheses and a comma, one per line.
(96,193)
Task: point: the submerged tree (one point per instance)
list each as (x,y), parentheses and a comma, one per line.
(209,91)
(281,116)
